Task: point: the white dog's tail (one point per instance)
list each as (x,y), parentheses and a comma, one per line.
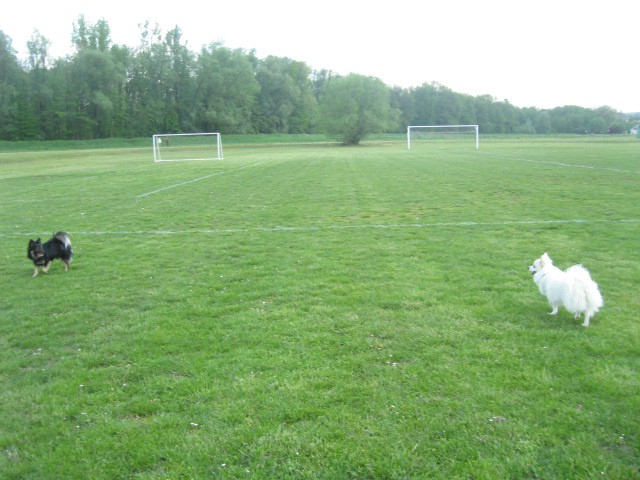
(586,295)
(63,237)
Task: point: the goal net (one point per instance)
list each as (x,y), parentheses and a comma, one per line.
(444,133)
(174,147)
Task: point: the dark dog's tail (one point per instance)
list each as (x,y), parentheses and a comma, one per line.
(65,240)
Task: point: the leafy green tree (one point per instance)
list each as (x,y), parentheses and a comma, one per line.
(403,101)
(105,90)
(305,105)
(448,106)
(482,106)
(543,123)
(96,82)
(57,110)
(609,115)
(355,106)
(569,119)
(598,125)
(424,98)
(159,88)
(93,84)
(468,111)
(41,97)
(122,57)
(286,103)
(11,79)
(319,78)
(181,85)
(226,89)
(38,47)
(505,117)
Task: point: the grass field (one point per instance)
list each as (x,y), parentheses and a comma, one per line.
(310,311)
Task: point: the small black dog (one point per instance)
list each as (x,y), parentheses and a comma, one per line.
(43,253)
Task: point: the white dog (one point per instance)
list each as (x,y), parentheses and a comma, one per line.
(574,289)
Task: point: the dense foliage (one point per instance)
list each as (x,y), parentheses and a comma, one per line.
(105,90)
(354,106)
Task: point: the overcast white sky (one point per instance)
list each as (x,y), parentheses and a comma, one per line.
(539,53)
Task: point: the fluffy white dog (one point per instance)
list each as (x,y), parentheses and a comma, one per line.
(573,288)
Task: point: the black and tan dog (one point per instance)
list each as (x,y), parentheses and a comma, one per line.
(59,246)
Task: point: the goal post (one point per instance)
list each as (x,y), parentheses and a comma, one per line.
(174,147)
(444,129)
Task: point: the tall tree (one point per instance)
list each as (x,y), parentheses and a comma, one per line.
(448,106)
(286,103)
(226,89)
(355,106)
(38,47)
(425,104)
(542,122)
(58,107)
(319,79)
(95,37)
(11,81)
(160,86)
(181,84)
(403,101)
(39,93)
(96,82)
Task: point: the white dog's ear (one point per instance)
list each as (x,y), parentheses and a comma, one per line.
(545,258)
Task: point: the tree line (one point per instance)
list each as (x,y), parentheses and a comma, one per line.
(105,90)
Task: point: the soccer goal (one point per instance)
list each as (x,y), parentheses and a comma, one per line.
(441,132)
(175,147)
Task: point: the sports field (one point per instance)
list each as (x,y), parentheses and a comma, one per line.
(312,311)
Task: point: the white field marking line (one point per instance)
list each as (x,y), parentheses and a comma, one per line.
(329,227)
(198,179)
(561,164)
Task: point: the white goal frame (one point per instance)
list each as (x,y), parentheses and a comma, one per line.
(157,141)
(476,129)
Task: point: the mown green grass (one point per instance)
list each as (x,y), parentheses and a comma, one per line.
(315,311)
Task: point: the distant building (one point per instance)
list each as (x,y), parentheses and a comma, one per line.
(636,130)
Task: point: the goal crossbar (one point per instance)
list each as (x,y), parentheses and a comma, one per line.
(413,127)
(212,153)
